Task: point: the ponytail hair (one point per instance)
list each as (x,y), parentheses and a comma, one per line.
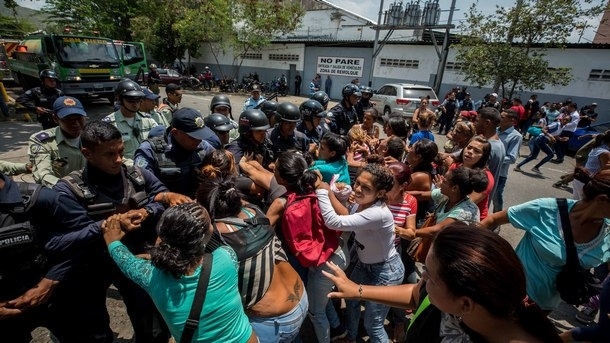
(295,171)
(184,231)
(595,185)
(217,164)
(336,143)
(220,197)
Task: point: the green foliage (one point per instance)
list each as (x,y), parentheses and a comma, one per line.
(509,48)
(13,28)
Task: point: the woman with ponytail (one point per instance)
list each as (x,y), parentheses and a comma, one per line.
(172,274)
(542,249)
(472,290)
(292,171)
(272,292)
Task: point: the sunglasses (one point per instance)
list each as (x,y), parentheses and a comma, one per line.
(133,100)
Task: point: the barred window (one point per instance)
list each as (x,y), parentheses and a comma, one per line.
(252,56)
(399,63)
(454,66)
(283,57)
(599,75)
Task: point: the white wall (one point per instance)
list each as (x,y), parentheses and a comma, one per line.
(323,25)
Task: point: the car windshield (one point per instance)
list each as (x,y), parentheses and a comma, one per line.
(81,49)
(131,53)
(416,93)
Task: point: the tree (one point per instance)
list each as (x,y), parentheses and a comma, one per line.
(13,28)
(509,48)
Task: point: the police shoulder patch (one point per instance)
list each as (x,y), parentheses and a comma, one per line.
(43,136)
(109,118)
(145,114)
(141,162)
(35,149)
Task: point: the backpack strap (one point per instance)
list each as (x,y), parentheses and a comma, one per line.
(79,187)
(566,227)
(29,194)
(192,323)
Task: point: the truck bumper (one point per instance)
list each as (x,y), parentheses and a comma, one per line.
(89,89)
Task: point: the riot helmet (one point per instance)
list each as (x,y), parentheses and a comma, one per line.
(218,122)
(220,100)
(310,109)
(250,120)
(321,97)
(288,111)
(128,89)
(48,74)
(350,89)
(366,90)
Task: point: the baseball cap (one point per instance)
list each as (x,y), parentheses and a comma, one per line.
(67,105)
(189,121)
(495,95)
(148,94)
(255,88)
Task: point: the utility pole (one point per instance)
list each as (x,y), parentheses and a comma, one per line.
(440,71)
(375,45)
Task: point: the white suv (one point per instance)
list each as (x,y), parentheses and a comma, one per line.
(402,98)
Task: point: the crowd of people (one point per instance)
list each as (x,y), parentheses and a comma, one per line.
(223,228)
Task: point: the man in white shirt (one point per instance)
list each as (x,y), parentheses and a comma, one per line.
(568,131)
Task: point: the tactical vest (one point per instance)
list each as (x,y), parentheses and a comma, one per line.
(22,259)
(99,205)
(280,144)
(170,173)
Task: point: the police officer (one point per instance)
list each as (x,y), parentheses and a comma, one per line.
(222,104)
(312,114)
(133,124)
(364,102)
(253,126)
(55,152)
(154,79)
(284,135)
(40,99)
(149,105)
(221,125)
(105,187)
(38,275)
(171,103)
(344,113)
(255,99)
(176,158)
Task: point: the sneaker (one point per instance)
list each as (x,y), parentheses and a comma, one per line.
(586,315)
(556,161)
(517,169)
(536,170)
(338,333)
(558,184)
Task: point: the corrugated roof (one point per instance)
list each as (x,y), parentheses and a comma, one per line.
(369,21)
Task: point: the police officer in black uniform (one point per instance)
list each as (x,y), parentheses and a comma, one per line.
(42,242)
(220,125)
(322,98)
(176,158)
(284,135)
(312,114)
(253,126)
(105,187)
(269,107)
(364,102)
(40,99)
(344,113)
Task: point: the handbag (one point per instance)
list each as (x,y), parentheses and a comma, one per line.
(574,283)
(192,323)
(419,246)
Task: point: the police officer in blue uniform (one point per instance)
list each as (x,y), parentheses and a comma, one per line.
(284,136)
(104,187)
(40,99)
(39,268)
(344,113)
(176,158)
(220,125)
(253,126)
(364,102)
(312,114)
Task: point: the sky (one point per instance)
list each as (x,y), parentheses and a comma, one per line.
(370,10)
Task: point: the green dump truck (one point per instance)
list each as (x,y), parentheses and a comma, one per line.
(87,67)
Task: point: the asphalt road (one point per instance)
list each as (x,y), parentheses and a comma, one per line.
(521,187)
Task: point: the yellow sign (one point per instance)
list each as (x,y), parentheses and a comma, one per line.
(94,71)
(84,40)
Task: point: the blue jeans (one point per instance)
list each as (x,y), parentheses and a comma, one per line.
(540,143)
(390,272)
(498,199)
(281,329)
(318,287)
(562,147)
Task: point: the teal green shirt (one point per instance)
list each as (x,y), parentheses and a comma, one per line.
(329,169)
(222,317)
